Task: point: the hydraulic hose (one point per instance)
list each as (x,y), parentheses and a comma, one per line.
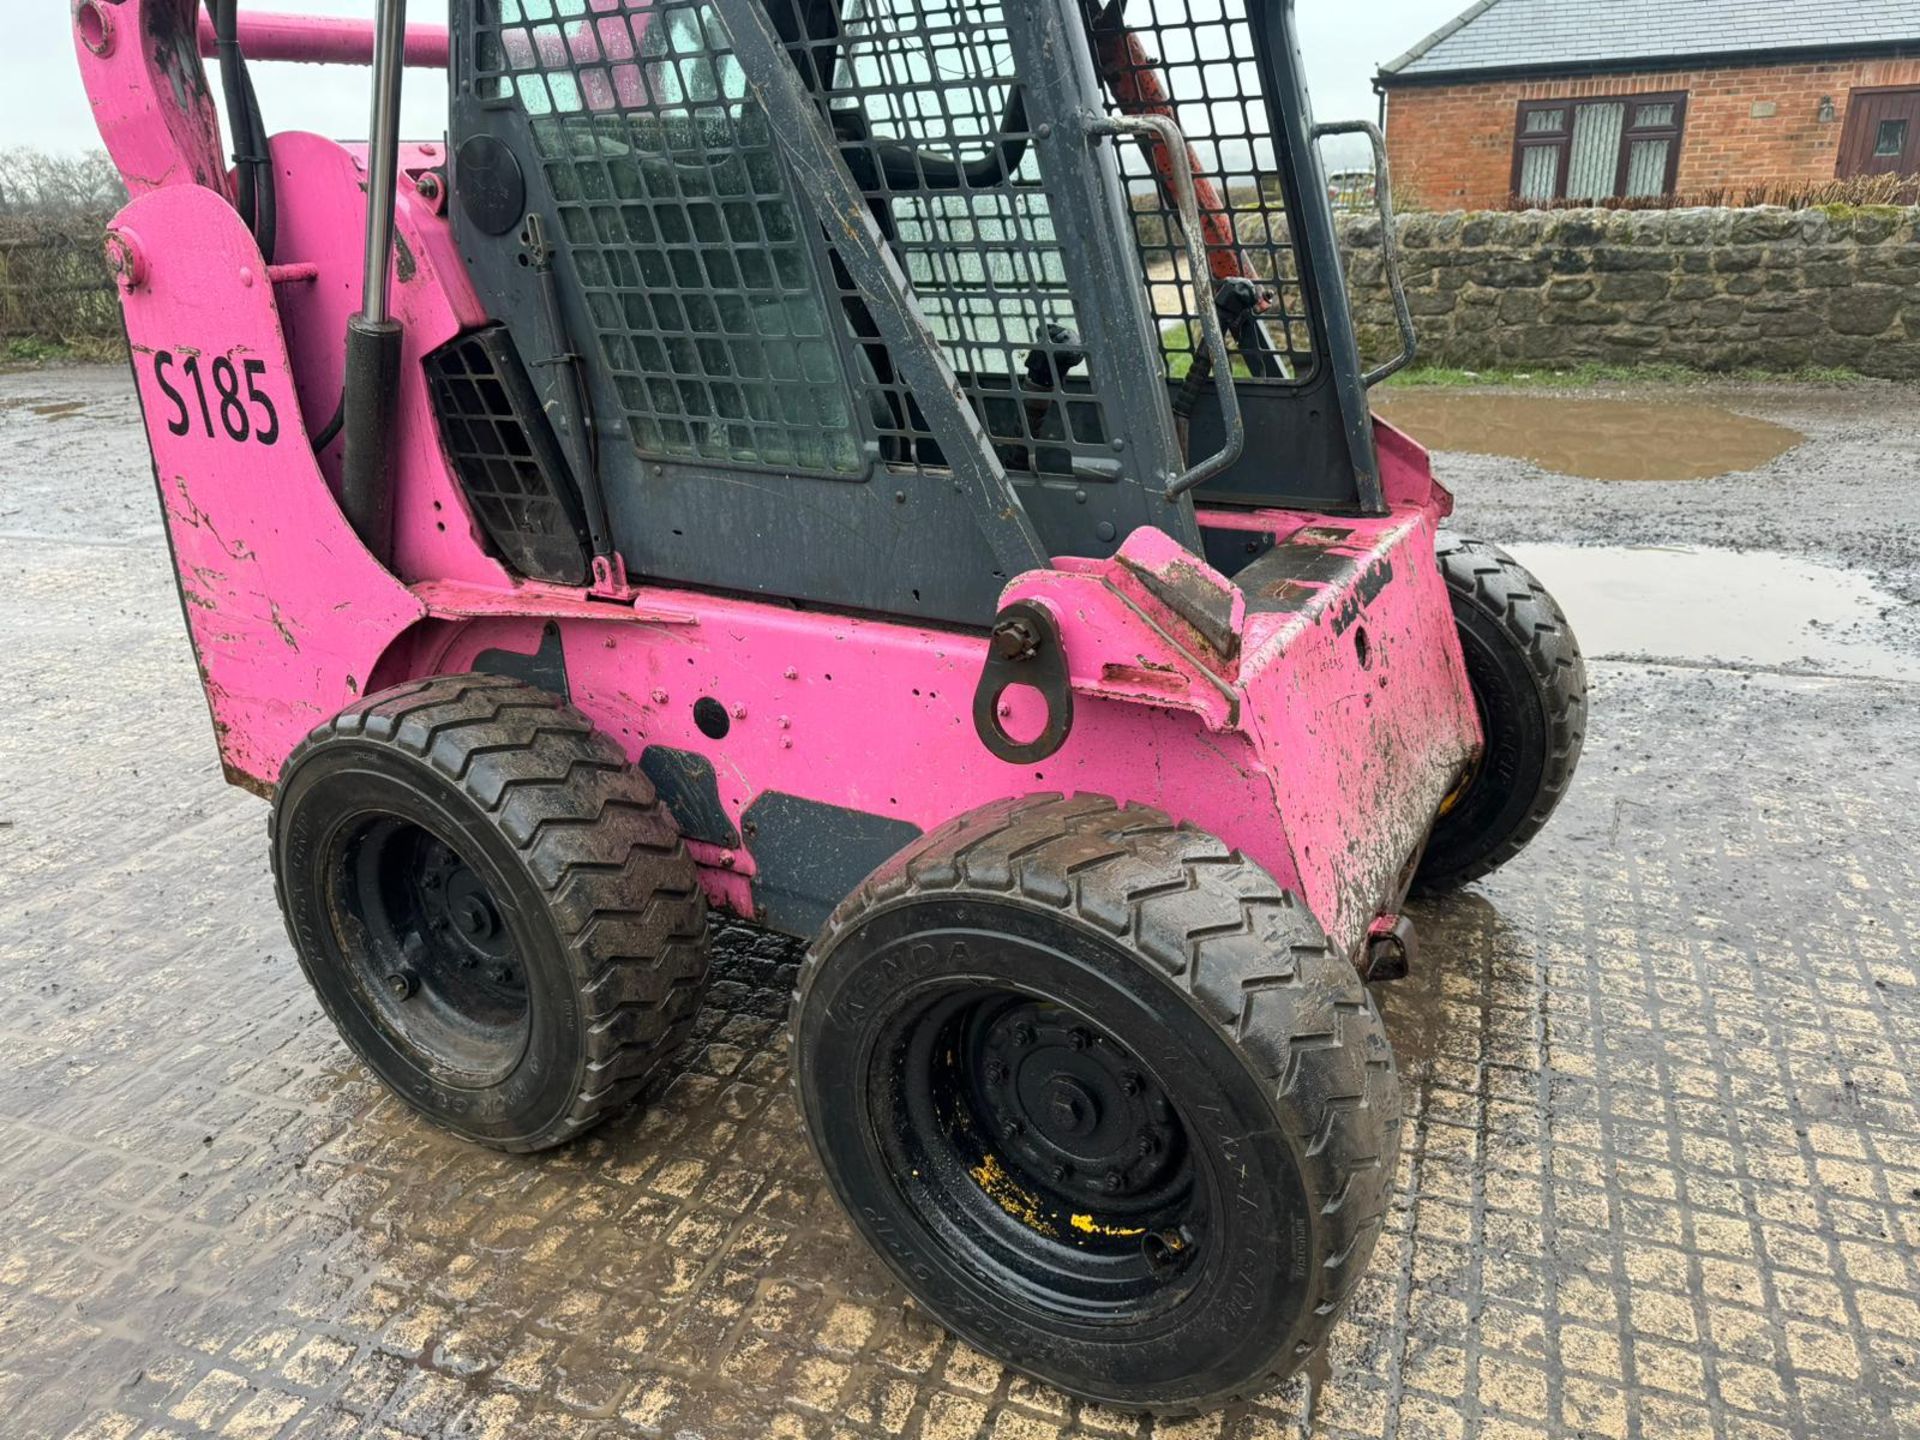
(255,197)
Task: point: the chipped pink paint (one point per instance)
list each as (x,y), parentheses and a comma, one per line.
(287,610)
(1322,755)
(150,98)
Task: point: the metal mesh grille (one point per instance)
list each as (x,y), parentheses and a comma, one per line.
(693,257)
(728,327)
(509,464)
(1194,61)
(921,96)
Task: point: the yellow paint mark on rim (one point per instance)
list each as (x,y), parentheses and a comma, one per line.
(1087,1225)
(1010,1197)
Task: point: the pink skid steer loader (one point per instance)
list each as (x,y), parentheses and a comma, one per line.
(896,471)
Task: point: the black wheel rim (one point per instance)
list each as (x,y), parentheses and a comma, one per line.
(1037,1149)
(429,950)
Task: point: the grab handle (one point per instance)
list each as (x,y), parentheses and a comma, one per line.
(1389,244)
(1159,128)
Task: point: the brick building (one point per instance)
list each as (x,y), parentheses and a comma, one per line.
(1568,100)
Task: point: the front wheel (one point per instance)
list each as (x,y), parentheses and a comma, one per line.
(1529,685)
(491,904)
(1096,1090)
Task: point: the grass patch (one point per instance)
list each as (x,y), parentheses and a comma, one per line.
(29,350)
(1582,376)
(1178,342)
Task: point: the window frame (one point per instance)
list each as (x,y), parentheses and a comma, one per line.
(1674,135)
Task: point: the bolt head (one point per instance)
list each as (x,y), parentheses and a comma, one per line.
(1130,1083)
(1078,1038)
(1015,639)
(1023,1035)
(401,984)
(1061,1172)
(1113,1181)
(471,916)
(996,1073)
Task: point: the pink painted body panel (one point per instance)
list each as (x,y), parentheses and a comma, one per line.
(322,210)
(1277,726)
(288,612)
(324,40)
(150,96)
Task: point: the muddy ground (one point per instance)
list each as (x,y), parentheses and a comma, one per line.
(1661,1170)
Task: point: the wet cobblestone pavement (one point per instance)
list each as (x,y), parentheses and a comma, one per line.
(1661,1175)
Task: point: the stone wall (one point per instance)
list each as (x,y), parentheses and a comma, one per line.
(1766,288)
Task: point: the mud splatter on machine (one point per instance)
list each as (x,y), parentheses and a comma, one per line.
(895,470)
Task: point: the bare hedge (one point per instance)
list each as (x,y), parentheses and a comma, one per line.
(54,281)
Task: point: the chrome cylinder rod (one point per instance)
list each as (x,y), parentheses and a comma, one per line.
(373,335)
(383,154)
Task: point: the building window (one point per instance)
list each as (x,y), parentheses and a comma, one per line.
(1627,147)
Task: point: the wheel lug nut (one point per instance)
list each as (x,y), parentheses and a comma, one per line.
(1023,1035)
(1113,1182)
(503,975)
(1130,1083)
(1062,1172)
(1078,1038)
(401,984)
(996,1073)
(1146,1145)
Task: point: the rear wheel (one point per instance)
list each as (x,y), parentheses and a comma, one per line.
(491,904)
(1096,1090)
(1529,685)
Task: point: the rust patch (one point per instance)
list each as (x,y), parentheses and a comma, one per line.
(1320,537)
(280,625)
(1146,675)
(252,784)
(1292,594)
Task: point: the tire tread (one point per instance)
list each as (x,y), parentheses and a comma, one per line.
(1221,932)
(591,832)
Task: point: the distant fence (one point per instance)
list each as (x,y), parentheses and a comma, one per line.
(54,281)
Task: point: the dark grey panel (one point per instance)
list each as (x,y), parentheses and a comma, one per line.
(690,790)
(545,669)
(810,856)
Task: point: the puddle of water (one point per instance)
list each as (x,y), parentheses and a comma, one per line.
(1594,439)
(1755,607)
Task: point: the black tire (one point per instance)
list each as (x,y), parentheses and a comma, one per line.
(1530,686)
(1125,946)
(493,907)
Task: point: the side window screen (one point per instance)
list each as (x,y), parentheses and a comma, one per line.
(693,257)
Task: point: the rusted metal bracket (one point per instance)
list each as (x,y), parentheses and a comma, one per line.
(1025,650)
(801,132)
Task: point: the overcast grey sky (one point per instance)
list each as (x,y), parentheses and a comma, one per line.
(41,102)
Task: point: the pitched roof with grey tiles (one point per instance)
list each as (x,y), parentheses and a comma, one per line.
(1514,35)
